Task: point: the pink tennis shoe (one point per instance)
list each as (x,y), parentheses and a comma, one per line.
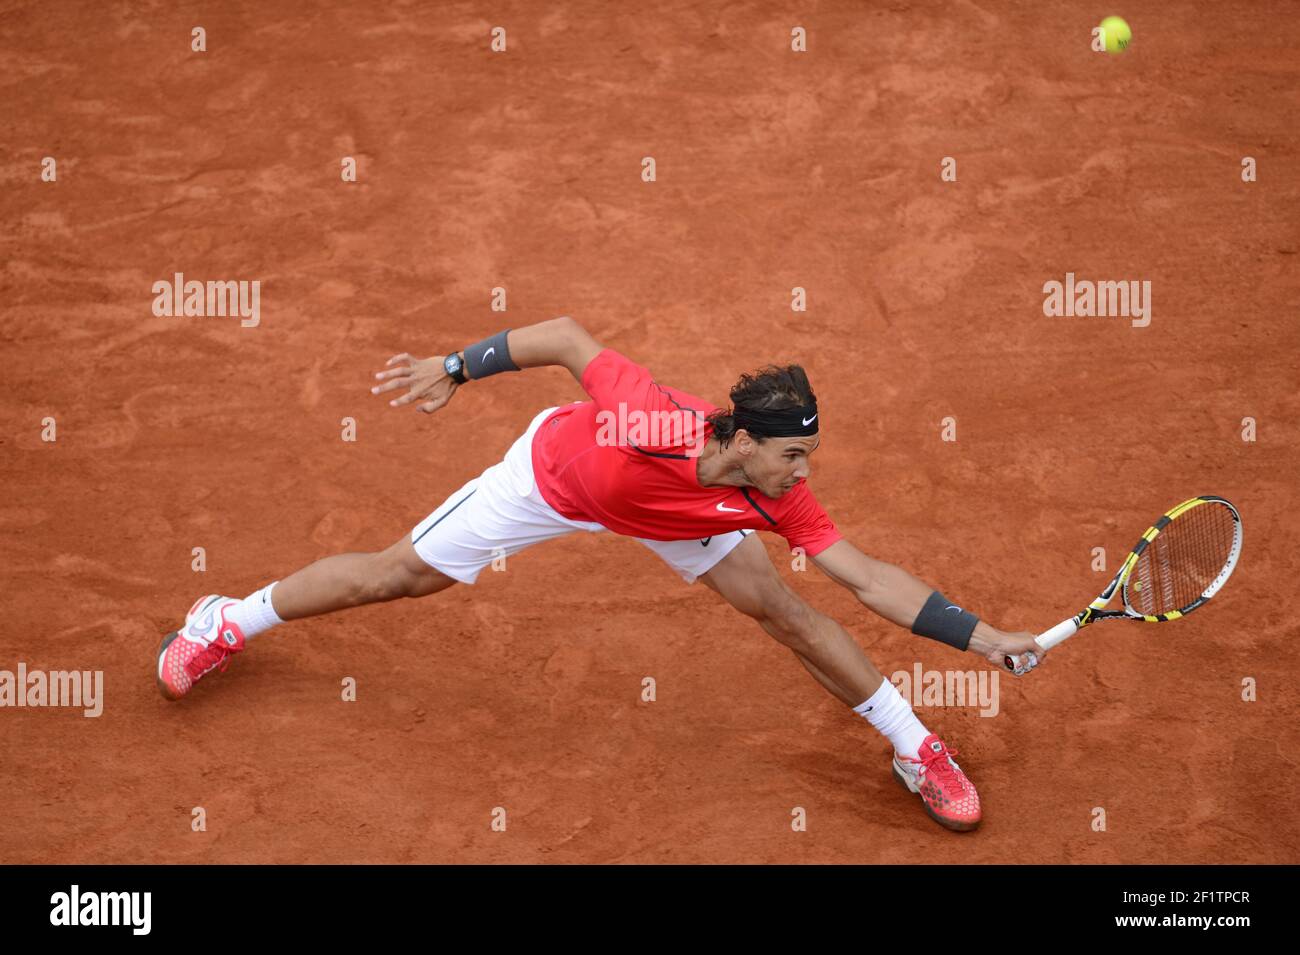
(204,644)
(947,795)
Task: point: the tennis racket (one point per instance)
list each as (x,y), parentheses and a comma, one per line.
(1182,560)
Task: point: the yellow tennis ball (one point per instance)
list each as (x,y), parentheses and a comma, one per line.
(1116,33)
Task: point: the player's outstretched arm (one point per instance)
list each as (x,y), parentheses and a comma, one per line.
(432,381)
(896,595)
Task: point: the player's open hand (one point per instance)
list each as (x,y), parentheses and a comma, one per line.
(1021,648)
(424,378)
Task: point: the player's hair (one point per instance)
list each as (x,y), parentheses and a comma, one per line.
(771,388)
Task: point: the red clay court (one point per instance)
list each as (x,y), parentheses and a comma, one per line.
(522,170)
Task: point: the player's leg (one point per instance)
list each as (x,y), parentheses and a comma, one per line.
(217,626)
(496,514)
(746,579)
(351,580)
(739,570)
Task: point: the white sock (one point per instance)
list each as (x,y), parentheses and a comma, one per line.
(888,712)
(255,613)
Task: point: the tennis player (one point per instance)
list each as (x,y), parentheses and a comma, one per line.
(689,480)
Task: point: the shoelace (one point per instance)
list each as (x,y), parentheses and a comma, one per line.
(937,763)
(215,654)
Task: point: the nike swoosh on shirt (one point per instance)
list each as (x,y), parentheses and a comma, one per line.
(734,510)
(808,421)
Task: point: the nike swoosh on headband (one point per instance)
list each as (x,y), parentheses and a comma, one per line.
(808,421)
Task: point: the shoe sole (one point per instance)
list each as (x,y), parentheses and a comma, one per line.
(953,824)
(163,688)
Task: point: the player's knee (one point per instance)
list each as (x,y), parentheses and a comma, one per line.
(399,572)
(406,581)
(422,582)
(788,618)
(376,582)
(389,583)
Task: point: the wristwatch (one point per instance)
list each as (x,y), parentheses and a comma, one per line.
(454,366)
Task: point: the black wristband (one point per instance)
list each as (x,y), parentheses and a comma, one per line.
(489,357)
(940,619)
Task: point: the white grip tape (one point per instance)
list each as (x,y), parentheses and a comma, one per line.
(1046,640)
(1063,630)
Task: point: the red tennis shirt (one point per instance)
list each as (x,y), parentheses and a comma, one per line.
(627,458)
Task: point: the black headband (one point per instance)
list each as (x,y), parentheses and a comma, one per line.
(788,423)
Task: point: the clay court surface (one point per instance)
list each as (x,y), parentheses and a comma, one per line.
(522,170)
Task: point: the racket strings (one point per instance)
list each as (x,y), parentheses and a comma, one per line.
(1182,560)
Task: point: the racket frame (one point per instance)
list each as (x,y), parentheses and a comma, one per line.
(1096,610)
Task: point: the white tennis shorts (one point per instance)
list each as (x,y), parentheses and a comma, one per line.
(501,512)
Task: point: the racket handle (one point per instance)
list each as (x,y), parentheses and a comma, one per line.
(1048,639)
(1062,631)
